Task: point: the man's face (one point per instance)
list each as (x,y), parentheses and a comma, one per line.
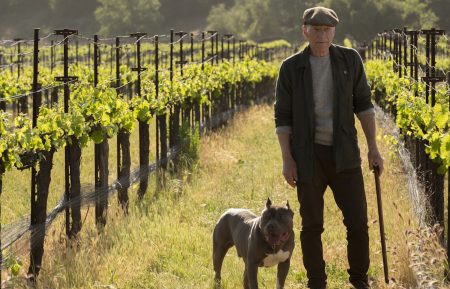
(319,37)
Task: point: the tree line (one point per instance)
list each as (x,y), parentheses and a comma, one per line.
(250,19)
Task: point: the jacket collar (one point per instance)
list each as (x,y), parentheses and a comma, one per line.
(303,60)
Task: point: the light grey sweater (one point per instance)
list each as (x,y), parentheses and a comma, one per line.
(323,94)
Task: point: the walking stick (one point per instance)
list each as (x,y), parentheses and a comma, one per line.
(380,216)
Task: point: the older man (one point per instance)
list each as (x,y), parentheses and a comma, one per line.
(318,92)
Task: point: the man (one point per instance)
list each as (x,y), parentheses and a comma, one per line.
(318,92)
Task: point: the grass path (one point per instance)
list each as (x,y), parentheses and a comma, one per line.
(165,242)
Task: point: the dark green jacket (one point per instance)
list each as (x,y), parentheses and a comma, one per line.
(294,107)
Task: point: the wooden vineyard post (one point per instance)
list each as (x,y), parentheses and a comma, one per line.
(123,145)
(177,110)
(101,151)
(2,170)
(72,178)
(217,47)
(36,103)
(202,121)
(161,119)
(196,104)
(435,189)
(144,134)
(192,46)
(172,132)
(414,75)
(448,190)
(40,181)
(405,51)
(222,48)
(23,102)
(210,108)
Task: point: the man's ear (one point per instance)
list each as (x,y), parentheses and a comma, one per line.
(305,31)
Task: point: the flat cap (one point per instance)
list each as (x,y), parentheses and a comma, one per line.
(320,16)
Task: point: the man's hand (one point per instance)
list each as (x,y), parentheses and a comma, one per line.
(290,171)
(289,165)
(368,124)
(375,159)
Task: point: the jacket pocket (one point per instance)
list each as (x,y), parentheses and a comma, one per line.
(350,147)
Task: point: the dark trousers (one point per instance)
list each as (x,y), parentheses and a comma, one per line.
(349,194)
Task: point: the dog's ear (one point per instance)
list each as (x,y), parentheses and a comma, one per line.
(287,205)
(269,203)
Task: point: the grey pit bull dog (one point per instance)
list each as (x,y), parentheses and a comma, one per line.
(265,240)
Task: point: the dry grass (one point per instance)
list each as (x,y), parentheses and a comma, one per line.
(165,241)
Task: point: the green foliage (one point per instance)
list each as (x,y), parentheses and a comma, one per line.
(414,115)
(189,146)
(347,43)
(118,16)
(362,19)
(74,14)
(255,19)
(442,10)
(13,265)
(275,44)
(259,19)
(10,85)
(100,112)
(393,145)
